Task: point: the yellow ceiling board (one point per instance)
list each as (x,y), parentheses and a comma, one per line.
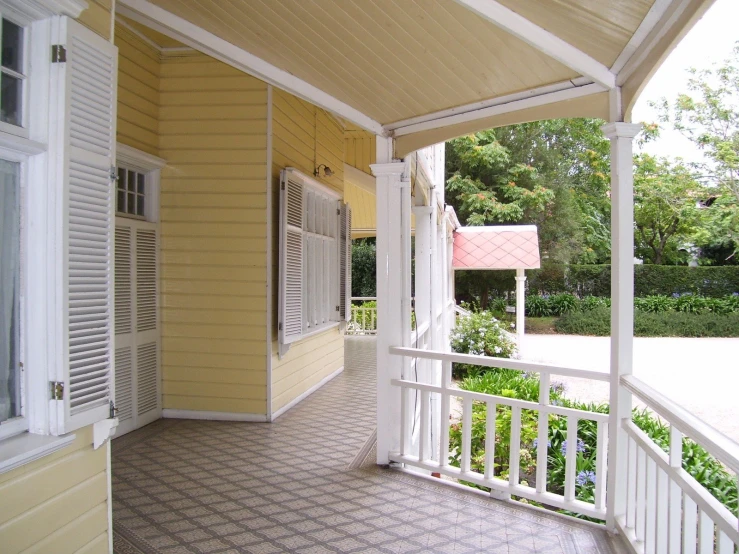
(389,59)
(595,105)
(600,28)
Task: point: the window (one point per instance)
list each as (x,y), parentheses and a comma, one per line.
(10,375)
(131,193)
(12,73)
(315,250)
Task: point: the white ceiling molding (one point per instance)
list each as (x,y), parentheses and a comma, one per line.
(360,179)
(654,15)
(564,85)
(668,19)
(190,34)
(541,39)
(511,106)
(34,10)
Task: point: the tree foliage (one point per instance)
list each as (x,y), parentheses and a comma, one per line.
(708,115)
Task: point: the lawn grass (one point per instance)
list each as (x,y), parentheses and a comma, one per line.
(541,325)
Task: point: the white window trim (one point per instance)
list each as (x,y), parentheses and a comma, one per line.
(151,166)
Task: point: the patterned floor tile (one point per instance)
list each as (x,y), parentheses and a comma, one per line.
(298,485)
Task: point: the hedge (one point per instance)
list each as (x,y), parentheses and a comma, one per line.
(595,280)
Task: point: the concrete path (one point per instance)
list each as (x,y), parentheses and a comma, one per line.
(702,375)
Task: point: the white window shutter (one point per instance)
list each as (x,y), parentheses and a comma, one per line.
(82,156)
(292,200)
(345,262)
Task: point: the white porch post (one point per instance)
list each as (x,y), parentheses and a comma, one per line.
(424,267)
(622,310)
(520,306)
(393,291)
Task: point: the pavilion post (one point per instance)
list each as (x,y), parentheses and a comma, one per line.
(393,206)
(520,306)
(621,136)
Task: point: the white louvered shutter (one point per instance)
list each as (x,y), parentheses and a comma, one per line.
(345,262)
(291,318)
(82,155)
(123,327)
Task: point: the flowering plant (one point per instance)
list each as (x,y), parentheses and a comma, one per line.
(481,334)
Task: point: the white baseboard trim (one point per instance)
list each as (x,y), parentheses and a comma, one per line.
(306,394)
(212,416)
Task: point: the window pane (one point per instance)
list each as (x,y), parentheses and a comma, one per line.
(10,405)
(140,179)
(131,183)
(12,57)
(140,204)
(121,205)
(11,92)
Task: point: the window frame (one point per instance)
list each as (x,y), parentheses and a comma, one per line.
(21,130)
(150,166)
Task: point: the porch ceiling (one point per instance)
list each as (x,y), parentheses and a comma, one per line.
(428,70)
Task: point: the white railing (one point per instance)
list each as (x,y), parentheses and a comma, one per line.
(667,510)
(364,320)
(435,458)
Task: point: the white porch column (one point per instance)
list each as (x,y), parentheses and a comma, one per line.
(424,267)
(520,306)
(393,290)
(622,309)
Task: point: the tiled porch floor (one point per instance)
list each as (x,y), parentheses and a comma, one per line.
(295,486)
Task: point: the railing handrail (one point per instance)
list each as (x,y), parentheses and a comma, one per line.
(504,400)
(363,298)
(507,363)
(715,442)
(461,311)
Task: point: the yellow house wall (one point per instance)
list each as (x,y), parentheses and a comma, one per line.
(360,150)
(57,504)
(303,137)
(213,261)
(138,92)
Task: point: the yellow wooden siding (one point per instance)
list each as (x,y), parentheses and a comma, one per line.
(303,137)
(360,149)
(97,17)
(138,92)
(213,134)
(364,210)
(57,504)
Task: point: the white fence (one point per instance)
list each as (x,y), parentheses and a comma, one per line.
(364,319)
(499,487)
(665,509)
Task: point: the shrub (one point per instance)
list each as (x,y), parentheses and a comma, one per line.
(483,335)
(655,303)
(538,306)
(592,302)
(563,303)
(597,322)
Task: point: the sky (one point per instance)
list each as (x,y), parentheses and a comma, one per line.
(710,41)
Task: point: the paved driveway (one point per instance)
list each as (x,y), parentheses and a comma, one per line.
(702,375)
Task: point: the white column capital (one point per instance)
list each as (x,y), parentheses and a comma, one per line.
(621,130)
(388,169)
(520,278)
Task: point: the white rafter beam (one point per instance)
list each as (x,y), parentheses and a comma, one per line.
(541,39)
(190,34)
(506,106)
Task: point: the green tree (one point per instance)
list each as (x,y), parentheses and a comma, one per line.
(708,115)
(666,214)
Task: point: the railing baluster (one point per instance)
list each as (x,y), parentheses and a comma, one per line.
(650,538)
(705,533)
(725,544)
(446,378)
(641,494)
(663,504)
(676,495)
(424,434)
(631,486)
(601,465)
(571,458)
(405,422)
(515,459)
(542,451)
(690,526)
(466,434)
(490,439)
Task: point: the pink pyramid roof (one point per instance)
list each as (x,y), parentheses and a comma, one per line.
(496,247)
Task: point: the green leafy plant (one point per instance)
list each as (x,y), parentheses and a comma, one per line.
(563,303)
(588,303)
(538,306)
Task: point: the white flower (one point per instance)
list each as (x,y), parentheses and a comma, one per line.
(498,350)
(513,325)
